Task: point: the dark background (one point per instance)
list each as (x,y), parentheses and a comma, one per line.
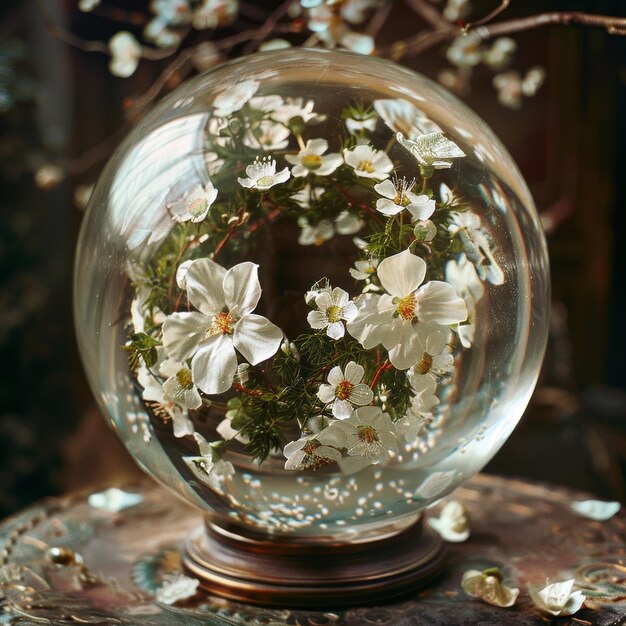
(59,104)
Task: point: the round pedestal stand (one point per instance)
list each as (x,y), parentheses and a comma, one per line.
(258,570)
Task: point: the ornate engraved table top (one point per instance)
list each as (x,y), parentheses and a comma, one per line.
(101,560)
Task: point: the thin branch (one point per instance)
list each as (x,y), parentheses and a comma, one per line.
(489,17)
(613,25)
(426,40)
(86,45)
(377,21)
(430,15)
(269,26)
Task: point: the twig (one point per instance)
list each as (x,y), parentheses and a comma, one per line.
(268,26)
(87,45)
(489,17)
(425,40)
(613,25)
(155,89)
(430,15)
(377,21)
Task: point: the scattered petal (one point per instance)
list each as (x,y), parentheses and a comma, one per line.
(597,510)
(557,598)
(176,587)
(453,523)
(487,586)
(114,500)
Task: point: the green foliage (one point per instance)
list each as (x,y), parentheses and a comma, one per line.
(141,347)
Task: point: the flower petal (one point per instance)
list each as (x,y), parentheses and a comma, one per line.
(386,189)
(182,425)
(438,301)
(214,365)
(361,395)
(242,289)
(354,373)
(326,393)
(256,338)
(204,280)
(183,333)
(336,330)
(317,319)
(342,409)
(402,273)
(335,376)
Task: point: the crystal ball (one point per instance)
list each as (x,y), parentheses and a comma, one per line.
(311,294)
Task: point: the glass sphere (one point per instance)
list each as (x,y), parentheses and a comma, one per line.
(312,294)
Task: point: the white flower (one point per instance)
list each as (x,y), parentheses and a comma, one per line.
(88,5)
(596,509)
(174,12)
(431,346)
(176,587)
(153,392)
(398,197)
(361,43)
(395,319)
(368,434)
(283,110)
(333,308)
(224,323)
(157,31)
(368,162)
(424,398)
(488,587)
(347,223)
(114,500)
(262,175)
(213,163)
(235,97)
(307,196)
(317,234)
(511,86)
(432,150)
(180,388)
(274,44)
(194,204)
(453,522)
(308,453)
(456,10)
(208,467)
(345,390)
(557,598)
(499,55)
(356,11)
(357,123)
(125,54)
(465,50)
(477,245)
(312,160)
(364,269)
(267,135)
(402,116)
(214,13)
(463,276)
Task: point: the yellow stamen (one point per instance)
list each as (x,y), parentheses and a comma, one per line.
(222,323)
(344,389)
(406,307)
(312,161)
(184,378)
(368,434)
(334,313)
(425,364)
(365,166)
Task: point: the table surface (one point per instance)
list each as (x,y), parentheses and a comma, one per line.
(527,530)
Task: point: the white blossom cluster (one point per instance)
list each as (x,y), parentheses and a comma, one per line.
(214,339)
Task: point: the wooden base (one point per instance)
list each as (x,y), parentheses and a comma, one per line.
(257,570)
